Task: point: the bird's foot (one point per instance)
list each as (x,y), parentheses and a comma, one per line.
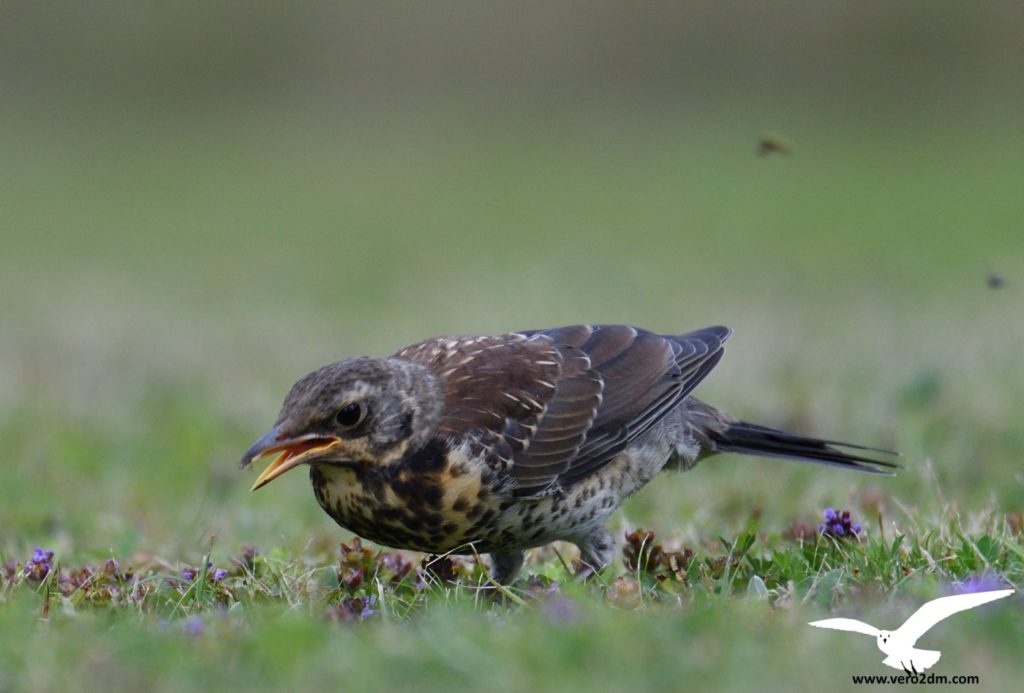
(585,572)
(505,567)
(596,552)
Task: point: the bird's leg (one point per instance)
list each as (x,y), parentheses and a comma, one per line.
(505,566)
(596,551)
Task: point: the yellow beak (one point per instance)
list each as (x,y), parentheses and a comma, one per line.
(292,453)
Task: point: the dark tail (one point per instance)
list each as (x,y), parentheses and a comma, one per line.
(751,439)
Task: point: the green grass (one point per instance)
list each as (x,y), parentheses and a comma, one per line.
(281,620)
(164,283)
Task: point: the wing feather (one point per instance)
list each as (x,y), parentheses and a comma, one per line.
(554,406)
(693,355)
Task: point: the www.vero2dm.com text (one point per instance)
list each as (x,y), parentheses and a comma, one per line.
(925,679)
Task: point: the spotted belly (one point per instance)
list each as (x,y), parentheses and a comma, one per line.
(462,507)
(436,510)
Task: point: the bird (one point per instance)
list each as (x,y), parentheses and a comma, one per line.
(498,444)
(770,143)
(898,644)
(995,281)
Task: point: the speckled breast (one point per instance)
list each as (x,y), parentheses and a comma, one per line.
(445,501)
(435,501)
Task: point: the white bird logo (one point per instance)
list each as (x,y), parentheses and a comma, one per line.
(899,643)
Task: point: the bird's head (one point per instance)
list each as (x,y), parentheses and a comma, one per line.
(883,637)
(358,411)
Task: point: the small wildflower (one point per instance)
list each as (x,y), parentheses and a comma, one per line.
(556,606)
(642,553)
(838,524)
(356,563)
(38,567)
(194,626)
(539,587)
(368,610)
(80,578)
(442,569)
(189,573)
(717,566)
(352,609)
(561,609)
(395,566)
(219,574)
(981,583)
(353,579)
(247,558)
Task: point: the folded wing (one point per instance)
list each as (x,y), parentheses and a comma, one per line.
(552,407)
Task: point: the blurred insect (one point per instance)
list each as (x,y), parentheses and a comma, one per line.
(994,281)
(770,143)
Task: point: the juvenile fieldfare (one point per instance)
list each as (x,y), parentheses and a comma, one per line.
(513,441)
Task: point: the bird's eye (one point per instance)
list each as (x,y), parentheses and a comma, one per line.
(350,415)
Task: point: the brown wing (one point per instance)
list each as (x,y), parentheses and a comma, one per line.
(496,388)
(554,406)
(644,377)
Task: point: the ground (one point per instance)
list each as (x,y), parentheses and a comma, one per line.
(164,284)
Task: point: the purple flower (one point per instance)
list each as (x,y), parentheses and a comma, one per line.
(194,626)
(839,525)
(189,573)
(368,609)
(353,609)
(38,567)
(981,583)
(560,609)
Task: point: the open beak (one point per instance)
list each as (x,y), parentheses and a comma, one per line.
(291,452)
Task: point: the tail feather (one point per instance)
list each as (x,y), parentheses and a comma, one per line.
(751,439)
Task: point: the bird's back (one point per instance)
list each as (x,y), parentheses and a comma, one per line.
(553,407)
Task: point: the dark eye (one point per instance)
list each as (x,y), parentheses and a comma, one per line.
(350,415)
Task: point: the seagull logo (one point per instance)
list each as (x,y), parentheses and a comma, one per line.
(899,644)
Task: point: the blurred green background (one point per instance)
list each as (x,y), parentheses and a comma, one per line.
(201,202)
